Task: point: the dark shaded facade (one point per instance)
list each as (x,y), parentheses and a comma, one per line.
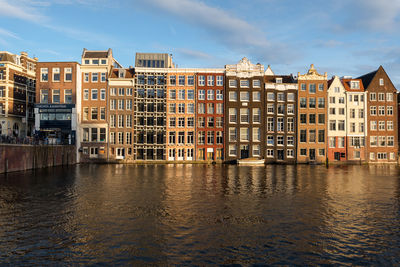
(244,110)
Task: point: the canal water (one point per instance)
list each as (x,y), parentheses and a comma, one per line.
(201,215)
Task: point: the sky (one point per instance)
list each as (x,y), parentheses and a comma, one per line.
(341,37)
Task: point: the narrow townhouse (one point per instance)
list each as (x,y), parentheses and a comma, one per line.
(356,120)
(337,146)
(312,117)
(382,140)
(17,94)
(280,117)
(121,83)
(210,114)
(150,112)
(95,67)
(180,128)
(57,108)
(244,110)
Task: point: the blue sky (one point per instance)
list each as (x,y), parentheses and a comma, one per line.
(341,37)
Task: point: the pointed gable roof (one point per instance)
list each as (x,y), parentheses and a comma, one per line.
(367,78)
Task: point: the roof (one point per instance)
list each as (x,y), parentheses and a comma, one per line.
(285,78)
(129,73)
(7,57)
(97,54)
(346,84)
(367,78)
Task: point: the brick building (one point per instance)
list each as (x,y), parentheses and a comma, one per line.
(57,107)
(312,116)
(382,140)
(210,114)
(17,94)
(244,110)
(121,83)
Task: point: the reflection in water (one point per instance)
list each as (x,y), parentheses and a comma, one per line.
(201,214)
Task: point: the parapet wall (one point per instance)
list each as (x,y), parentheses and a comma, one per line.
(25,157)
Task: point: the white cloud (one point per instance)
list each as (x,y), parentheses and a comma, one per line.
(378,15)
(25,10)
(193,54)
(7,33)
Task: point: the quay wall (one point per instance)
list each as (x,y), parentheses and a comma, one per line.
(26,157)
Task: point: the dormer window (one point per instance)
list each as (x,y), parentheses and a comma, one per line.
(121,74)
(354,85)
(278,80)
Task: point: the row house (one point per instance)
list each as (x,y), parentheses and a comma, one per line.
(120,95)
(280,117)
(95,67)
(337,111)
(17,94)
(356,119)
(150,111)
(312,115)
(382,139)
(57,108)
(210,114)
(180,128)
(244,110)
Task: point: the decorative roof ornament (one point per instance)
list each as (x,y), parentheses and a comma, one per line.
(244,69)
(269,71)
(312,74)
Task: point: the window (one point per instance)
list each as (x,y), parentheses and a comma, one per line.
(312,118)
(56,96)
(220,80)
(320,87)
(220,108)
(381,96)
(332,125)
(256,115)
(341,111)
(201,108)
(190,122)
(181,138)
(191,80)
(219,122)
(389,125)
(270,124)
(44,96)
(210,80)
(321,118)
(381,110)
(270,108)
(232,96)
(201,137)
(172,122)
(113,104)
(290,140)
(290,153)
(303,136)
(56,74)
(381,81)
(44,74)
(68,74)
(120,104)
(210,122)
(352,127)
(190,137)
(341,124)
(95,77)
(390,111)
(361,127)
(244,96)
(372,96)
(352,113)
(181,122)
(219,95)
(181,94)
(244,115)
(256,83)
(104,78)
(270,140)
(68,96)
(390,141)
(280,125)
(102,94)
(303,118)
(382,155)
(244,83)
(373,140)
(202,95)
(244,134)
(270,153)
(321,102)
(303,102)
(232,83)
(232,150)
(94,135)
(332,100)
(256,134)
(232,135)
(321,136)
(373,125)
(311,88)
(129,104)
(280,140)
(281,97)
(290,124)
(341,100)
(181,80)
(202,80)
(94,113)
(332,142)
(278,80)
(270,96)
(210,108)
(290,97)
(210,94)
(381,125)
(311,103)
(382,141)
(361,113)
(129,121)
(172,108)
(95,61)
(120,121)
(373,111)
(303,87)
(311,136)
(172,80)
(85,114)
(181,108)
(389,97)
(171,138)
(190,108)
(190,94)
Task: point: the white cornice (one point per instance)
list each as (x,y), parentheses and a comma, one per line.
(312,74)
(244,69)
